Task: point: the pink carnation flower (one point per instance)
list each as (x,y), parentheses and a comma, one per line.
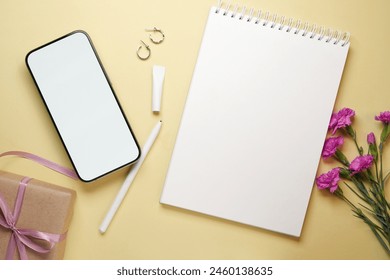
(329,180)
(383,117)
(331,145)
(371,138)
(341,119)
(361,163)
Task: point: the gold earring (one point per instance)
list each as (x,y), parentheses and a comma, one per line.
(148,50)
(156,30)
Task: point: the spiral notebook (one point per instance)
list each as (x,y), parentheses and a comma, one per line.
(255,119)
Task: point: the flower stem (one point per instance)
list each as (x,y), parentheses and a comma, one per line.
(351,132)
(381,165)
(360,150)
(378,232)
(341,195)
(376,171)
(358,195)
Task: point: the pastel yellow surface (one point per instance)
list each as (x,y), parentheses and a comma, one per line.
(142,228)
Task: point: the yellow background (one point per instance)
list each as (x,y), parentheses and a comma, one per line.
(142,228)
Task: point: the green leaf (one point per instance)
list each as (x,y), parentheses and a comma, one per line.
(350,131)
(358,195)
(373,150)
(385,132)
(345,173)
(387,249)
(341,157)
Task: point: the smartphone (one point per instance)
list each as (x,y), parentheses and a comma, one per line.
(83,106)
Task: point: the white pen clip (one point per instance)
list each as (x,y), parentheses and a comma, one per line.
(158,82)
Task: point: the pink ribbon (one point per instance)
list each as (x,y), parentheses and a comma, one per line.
(20,238)
(49,164)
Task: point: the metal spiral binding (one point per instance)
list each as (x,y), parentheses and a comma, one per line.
(284,24)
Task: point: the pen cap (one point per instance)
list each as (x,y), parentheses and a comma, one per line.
(158,82)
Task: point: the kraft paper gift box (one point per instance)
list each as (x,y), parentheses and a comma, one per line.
(45,208)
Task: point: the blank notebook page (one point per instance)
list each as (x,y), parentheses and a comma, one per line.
(254,122)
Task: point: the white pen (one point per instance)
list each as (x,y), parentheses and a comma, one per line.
(129,179)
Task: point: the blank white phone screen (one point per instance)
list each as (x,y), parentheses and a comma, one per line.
(83,105)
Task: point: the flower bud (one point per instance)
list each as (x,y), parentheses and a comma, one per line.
(371,138)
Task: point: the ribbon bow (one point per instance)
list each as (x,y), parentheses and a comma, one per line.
(20,238)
